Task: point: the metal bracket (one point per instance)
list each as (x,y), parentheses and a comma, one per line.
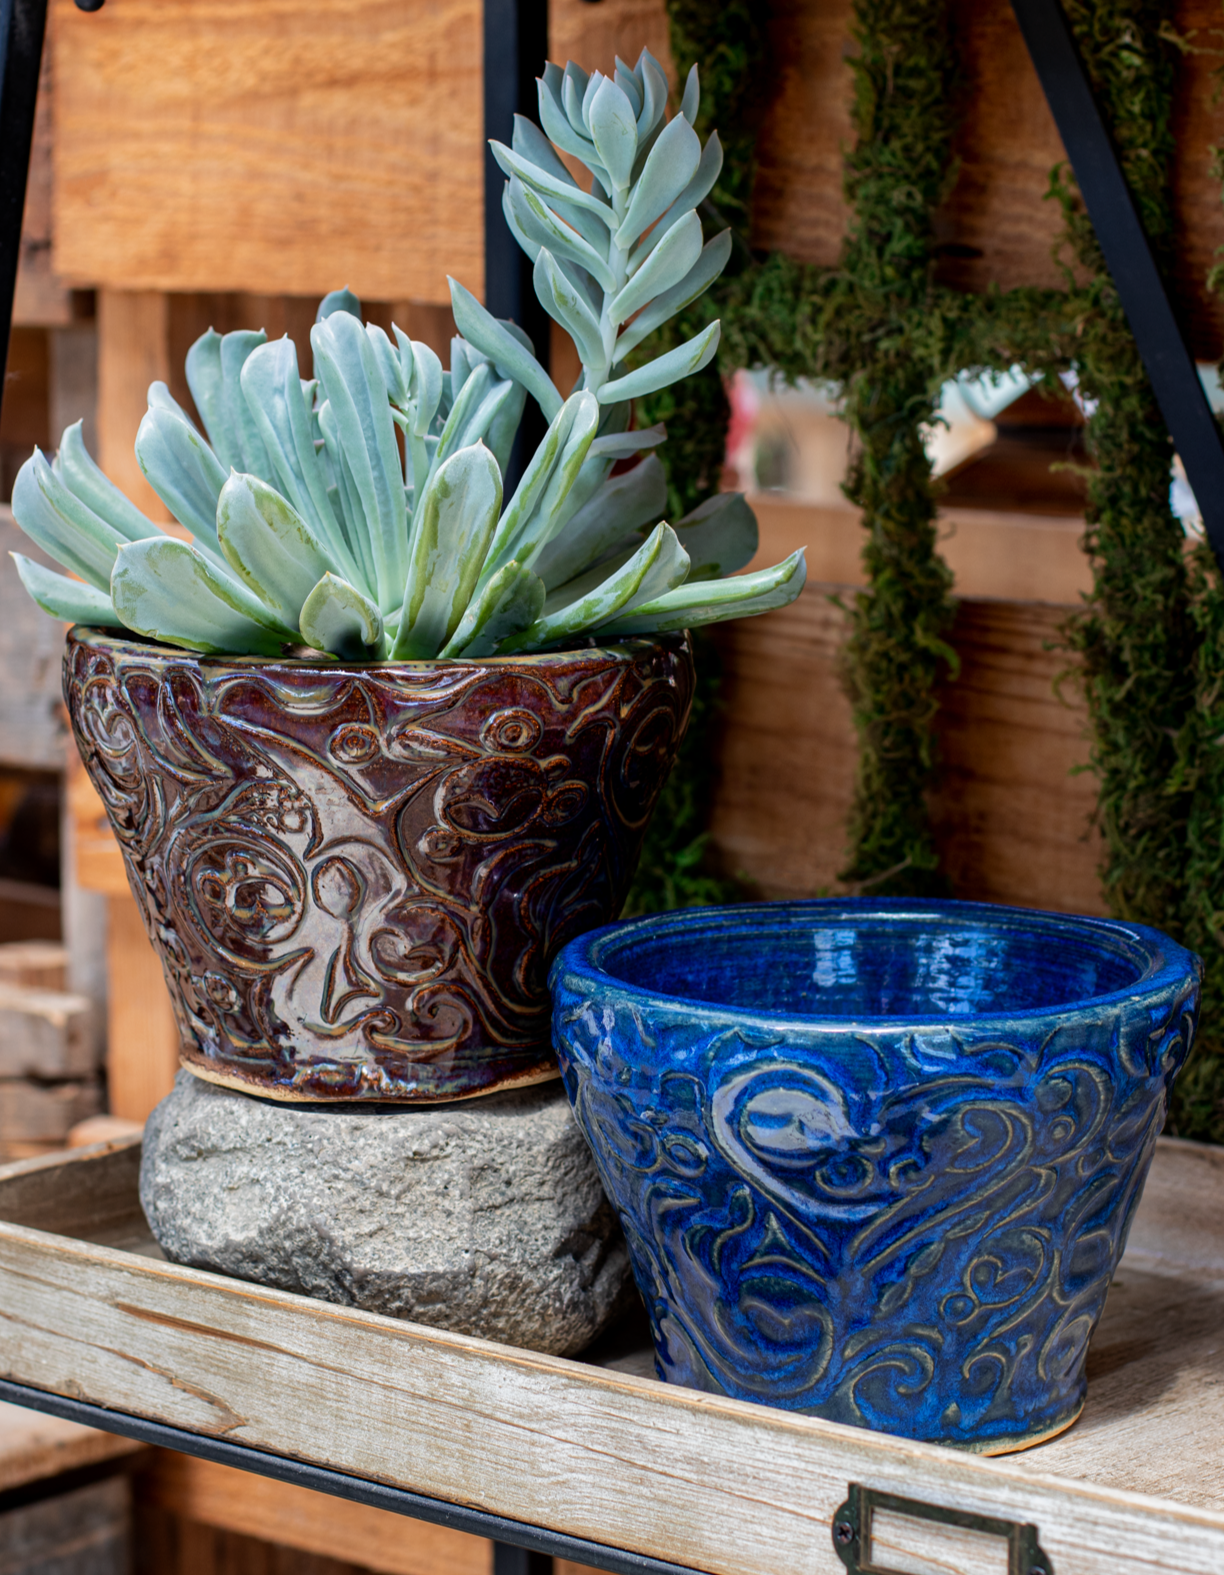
(1128,255)
(852,1532)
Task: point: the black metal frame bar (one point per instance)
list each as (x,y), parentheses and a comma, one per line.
(508,1534)
(1129,257)
(22,25)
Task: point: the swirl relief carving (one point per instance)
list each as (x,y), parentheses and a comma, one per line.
(356,877)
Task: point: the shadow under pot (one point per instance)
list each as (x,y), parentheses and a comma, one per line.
(876,1160)
(356,875)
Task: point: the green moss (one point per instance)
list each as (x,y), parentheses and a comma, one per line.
(1149,642)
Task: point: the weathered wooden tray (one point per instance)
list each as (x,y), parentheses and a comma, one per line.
(87,1310)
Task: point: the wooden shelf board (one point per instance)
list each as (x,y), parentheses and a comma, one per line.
(603,1454)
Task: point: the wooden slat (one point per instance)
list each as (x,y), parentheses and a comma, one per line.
(1011,819)
(40,298)
(36,965)
(39,1113)
(34,1447)
(724,1486)
(133,351)
(295,1517)
(99,863)
(231,145)
(44,1033)
(141,1034)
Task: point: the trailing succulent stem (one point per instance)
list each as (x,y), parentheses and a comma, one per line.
(363,513)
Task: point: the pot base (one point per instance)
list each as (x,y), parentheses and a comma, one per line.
(1016,1446)
(260,1087)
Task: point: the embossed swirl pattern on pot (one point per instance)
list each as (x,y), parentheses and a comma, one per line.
(357,877)
(906,1226)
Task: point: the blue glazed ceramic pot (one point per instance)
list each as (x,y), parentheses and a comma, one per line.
(876,1160)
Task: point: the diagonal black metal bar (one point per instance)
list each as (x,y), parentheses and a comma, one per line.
(22,25)
(1129,257)
(509,1534)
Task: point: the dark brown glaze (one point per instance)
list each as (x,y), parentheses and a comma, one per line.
(356,876)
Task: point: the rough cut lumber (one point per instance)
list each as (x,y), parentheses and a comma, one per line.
(715,1484)
(233,145)
(32,731)
(296,1517)
(45,1033)
(1012,821)
(37,965)
(43,1113)
(141,1034)
(133,351)
(34,1446)
(1009,556)
(40,299)
(85,1531)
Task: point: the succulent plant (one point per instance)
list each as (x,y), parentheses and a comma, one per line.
(314,523)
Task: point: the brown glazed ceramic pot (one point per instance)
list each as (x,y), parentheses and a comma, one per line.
(356,877)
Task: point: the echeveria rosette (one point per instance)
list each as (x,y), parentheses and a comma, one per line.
(363,513)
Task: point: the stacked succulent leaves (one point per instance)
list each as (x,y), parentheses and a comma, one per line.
(315,523)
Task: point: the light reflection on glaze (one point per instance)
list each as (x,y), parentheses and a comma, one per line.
(905,1225)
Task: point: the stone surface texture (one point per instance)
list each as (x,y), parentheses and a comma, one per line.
(484,1217)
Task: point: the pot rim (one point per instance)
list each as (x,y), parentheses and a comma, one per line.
(1165,965)
(616,651)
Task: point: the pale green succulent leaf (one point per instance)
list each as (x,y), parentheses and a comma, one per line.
(351,379)
(536,511)
(269,545)
(63,598)
(714,258)
(685,359)
(502,430)
(488,415)
(389,365)
(235,348)
(274,393)
(605,523)
(536,219)
(624,445)
(454,526)
(659,563)
(671,165)
(343,500)
(423,373)
(511,601)
(525,243)
(170,591)
(337,618)
(712,601)
(654,92)
(462,412)
(556,122)
(338,301)
(574,90)
(207,385)
(567,305)
(612,123)
(666,266)
(693,195)
(720,536)
(481,328)
(690,104)
(63,527)
(182,469)
(549,185)
(629,85)
(83,478)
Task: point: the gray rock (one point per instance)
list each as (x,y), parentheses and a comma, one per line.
(485,1217)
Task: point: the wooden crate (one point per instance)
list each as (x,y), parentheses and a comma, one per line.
(1135,1487)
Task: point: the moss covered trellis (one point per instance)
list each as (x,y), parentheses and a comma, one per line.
(1150,639)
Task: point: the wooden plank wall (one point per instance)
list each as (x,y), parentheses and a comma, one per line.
(996,227)
(224,145)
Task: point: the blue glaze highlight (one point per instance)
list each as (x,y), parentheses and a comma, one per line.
(876,1160)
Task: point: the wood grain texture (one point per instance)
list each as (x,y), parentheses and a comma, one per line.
(44,1113)
(295,1517)
(134,350)
(232,145)
(40,298)
(994,553)
(34,1447)
(99,863)
(593,35)
(44,1033)
(142,1038)
(36,965)
(1011,820)
(723,1486)
(32,731)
